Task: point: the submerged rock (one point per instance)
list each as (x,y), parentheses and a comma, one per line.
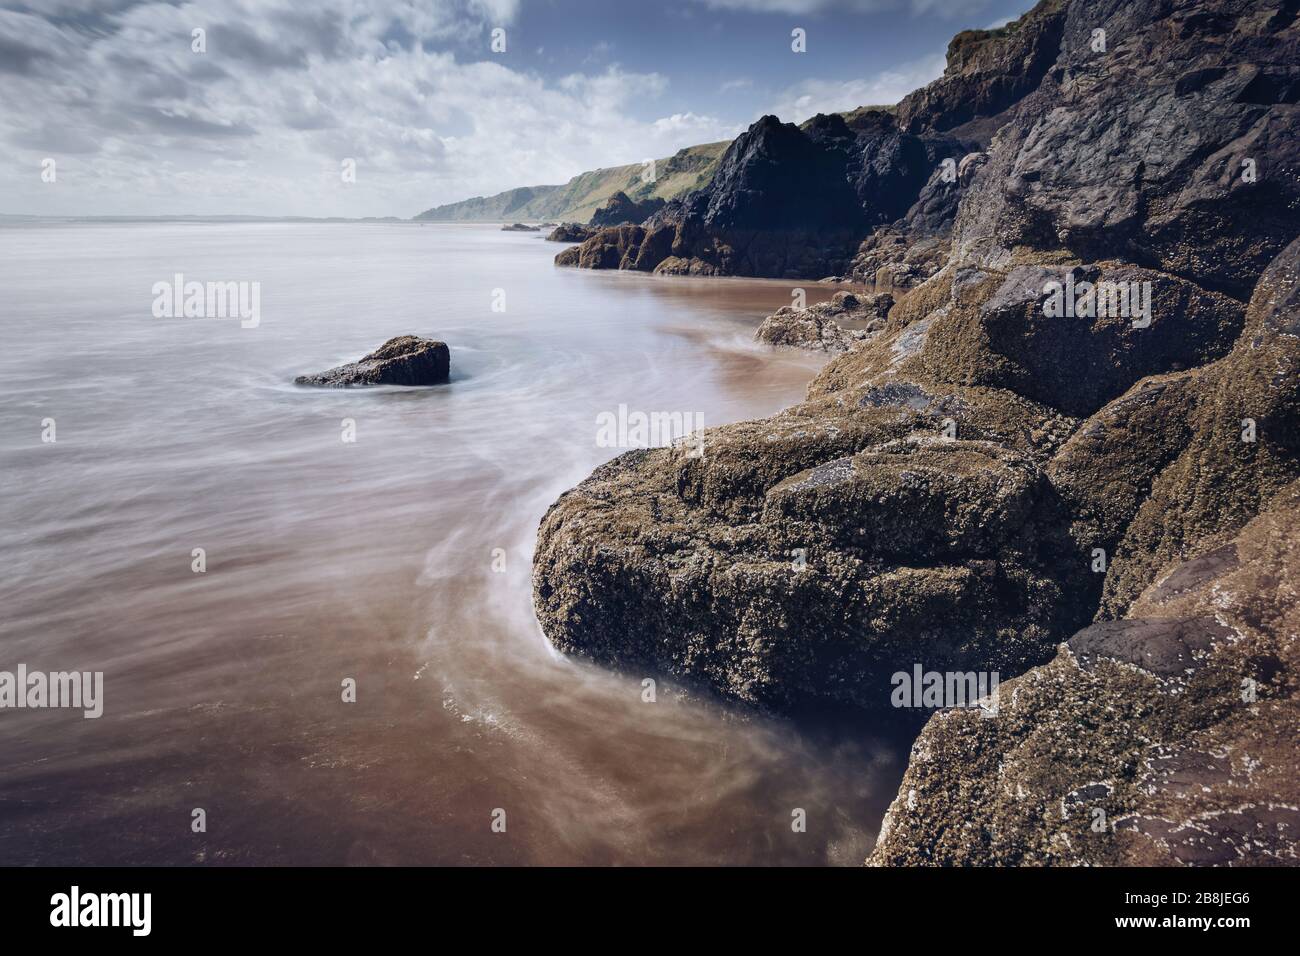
(404,360)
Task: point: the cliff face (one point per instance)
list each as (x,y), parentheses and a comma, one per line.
(796,202)
(988,71)
(791,201)
(943,496)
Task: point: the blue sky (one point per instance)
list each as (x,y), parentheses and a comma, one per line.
(734,59)
(284,94)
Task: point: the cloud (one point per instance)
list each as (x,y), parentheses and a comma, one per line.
(811,97)
(946,8)
(262,121)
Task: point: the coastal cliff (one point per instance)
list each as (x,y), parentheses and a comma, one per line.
(579,198)
(988,482)
(798,201)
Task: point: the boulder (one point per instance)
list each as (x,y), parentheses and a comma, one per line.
(806,329)
(817,329)
(404,360)
(620,209)
(570,232)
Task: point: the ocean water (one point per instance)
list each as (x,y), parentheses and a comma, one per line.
(399,561)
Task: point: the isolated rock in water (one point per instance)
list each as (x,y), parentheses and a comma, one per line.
(405,360)
(620,209)
(521,227)
(571,232)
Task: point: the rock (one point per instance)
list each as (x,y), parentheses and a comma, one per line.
(1078,363)
(621,247)
(794,202)
(1164,739)
(816,328)
(1108,160)
(520,227)
(619,209)
(806,329)
(979,480)
(988,71)
(804,597)
(404,360)
(571,232)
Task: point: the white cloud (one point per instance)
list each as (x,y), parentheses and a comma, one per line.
(886,88)
(261,122)
(947,8)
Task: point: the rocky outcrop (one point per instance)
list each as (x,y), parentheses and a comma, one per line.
(908,252)
(619,209)
(988,72)
(1166,738)
(622,247)
(520,227)
(818,328)
(1005,462)
(794,202)
(571,232)
(404,360)
(1174,149)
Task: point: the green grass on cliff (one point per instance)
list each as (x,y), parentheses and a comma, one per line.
(577,199)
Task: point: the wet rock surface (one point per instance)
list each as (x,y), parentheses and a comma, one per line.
(404,360)
(1105,507)
(818,328)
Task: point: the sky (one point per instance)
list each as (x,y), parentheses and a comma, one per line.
(387,107)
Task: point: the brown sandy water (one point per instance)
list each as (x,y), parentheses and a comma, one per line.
(370,560)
